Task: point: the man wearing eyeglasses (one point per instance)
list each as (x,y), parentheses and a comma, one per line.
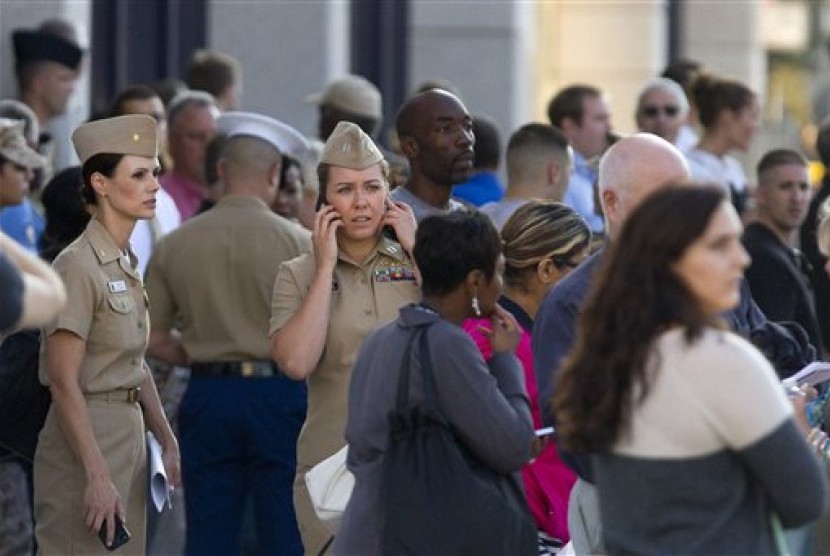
(191,124)
(662,107)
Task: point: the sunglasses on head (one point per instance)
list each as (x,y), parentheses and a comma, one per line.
(653,111)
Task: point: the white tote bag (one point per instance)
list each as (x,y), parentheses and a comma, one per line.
(330,486)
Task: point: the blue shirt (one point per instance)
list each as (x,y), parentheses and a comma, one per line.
(23,224)
(580,193)
(483,187)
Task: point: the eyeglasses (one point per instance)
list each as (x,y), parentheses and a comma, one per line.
(654,111)
(563,263)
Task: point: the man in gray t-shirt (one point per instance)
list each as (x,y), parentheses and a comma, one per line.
(436,136)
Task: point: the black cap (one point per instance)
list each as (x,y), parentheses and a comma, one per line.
(30,46)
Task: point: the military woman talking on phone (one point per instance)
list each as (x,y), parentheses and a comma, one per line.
(326,302)
(90,467)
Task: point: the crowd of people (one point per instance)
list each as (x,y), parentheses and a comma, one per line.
(602,338)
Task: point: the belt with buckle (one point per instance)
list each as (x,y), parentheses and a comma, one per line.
(126,395)
(247,369)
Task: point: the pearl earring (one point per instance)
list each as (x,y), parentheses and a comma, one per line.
(476,306)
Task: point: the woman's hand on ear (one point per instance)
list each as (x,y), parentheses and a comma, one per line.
(400,216)
(324,237)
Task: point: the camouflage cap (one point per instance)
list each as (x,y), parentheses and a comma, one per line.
(349,147)
(13,144)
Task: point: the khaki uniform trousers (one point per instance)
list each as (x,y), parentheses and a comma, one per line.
(60,480)
(313,533)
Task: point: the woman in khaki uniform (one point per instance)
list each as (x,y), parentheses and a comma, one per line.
(90,464)
(326,302)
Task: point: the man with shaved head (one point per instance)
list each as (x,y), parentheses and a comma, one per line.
(211,280)
(436,136)
(631,170)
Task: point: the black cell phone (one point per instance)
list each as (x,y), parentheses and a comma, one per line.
(122,535)
(321,200)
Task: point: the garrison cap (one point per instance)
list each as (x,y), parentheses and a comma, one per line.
(13,144)
(349,147)
(353,94)
(133,134)
(282,136)
(30,46)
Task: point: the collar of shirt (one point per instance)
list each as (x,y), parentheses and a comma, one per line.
(416,314)
(582,168)
(106,250)
(241,201)
(384,247)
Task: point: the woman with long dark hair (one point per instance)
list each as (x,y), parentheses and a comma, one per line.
(697,448)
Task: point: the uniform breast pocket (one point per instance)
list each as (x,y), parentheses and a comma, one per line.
(118,319)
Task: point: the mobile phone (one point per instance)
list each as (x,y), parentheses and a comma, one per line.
(122,535)
(321,200)
(547,431)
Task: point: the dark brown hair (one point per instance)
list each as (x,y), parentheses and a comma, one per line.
(635,297)
(104,163)
(712,95)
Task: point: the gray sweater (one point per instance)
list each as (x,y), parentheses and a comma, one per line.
(486,406)
(712,451)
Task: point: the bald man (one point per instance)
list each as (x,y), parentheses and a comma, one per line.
(624,182)
(436,135)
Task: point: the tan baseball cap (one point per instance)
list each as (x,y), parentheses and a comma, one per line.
(353,94)
(133,134)
(13,144)
(349,147)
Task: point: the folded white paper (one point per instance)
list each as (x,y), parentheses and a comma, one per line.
(813,374)
(159,486)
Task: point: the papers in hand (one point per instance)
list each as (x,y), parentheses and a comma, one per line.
(159,487)
(811,375)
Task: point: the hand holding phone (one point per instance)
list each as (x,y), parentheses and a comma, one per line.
(122,535)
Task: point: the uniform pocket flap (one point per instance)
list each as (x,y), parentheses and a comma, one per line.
(121,303)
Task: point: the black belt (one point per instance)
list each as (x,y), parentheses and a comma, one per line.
(252,369)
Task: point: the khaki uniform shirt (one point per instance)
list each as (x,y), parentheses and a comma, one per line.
(363,297)
(107,307)
(212,278)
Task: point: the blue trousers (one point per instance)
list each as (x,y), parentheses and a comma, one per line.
(238,438)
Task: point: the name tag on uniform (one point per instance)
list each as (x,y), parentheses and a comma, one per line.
(394,274)
(117,286)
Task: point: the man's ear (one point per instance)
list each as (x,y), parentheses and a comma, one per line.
(610,204)
(569,126)
(222,169)
(274,173)
(761,196)
(409,146)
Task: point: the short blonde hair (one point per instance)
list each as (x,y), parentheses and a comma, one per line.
(823,231)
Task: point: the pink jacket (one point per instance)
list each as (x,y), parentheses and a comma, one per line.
(547,480)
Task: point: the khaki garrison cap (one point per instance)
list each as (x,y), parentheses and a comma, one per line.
(349,147)
(282,136)
(13,145)
(133,134)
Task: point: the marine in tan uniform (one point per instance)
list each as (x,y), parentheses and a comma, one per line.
(326,302)
(212,279)
(90,463)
